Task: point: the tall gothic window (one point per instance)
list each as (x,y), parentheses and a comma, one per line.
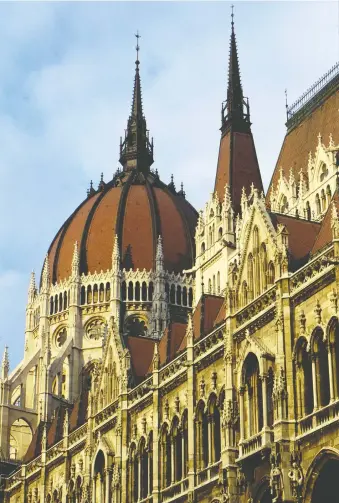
(304,379)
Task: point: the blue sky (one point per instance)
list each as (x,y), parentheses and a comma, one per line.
(66,76)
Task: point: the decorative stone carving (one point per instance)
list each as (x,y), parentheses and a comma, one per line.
(60,337)
(302,322)
(202,388)
(276,479)
(296,477)
(95,329)
(317,313)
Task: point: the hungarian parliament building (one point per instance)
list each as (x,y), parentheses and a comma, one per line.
(179,356)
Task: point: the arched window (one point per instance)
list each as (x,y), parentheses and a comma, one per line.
(184,296)
(328,195)
(218,282)
(184,422)
(263,266)
(201,437)
(283,204)
(166,475)
(83,296)
(270,273)
(323,200)
(123,290)
(244,293)
(172,294)
(304,379)
(56,304)
(108,292)
(133,474)
(220,233)
(209,286)
(320,359)
(203,248)
(214,431)
(137,291)
(60,301)
(51,305)
(253,403)
(179,295)
(130,290)
(143,460)
(101,293)
(190,297)
(150,291)
(167,291)
(317,204)
(65,300)
(144,291)
(89,294)
(308,211)
(176,438)
(250,273)
(323,172)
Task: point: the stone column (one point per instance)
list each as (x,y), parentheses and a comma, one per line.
(264,399)
(242,413)
(330,370)
(314,382)
(182,455)
(139,476)
(108,484)
(173,460)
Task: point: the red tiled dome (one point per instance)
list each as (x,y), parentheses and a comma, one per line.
(138,208)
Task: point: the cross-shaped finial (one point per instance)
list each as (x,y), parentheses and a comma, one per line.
(137,36)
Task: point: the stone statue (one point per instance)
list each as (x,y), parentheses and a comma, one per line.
(296,477)
(275,479)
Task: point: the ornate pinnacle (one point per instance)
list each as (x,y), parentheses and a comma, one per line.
(45,276)
(335,221)
(116,254)
(31,288)
(75,260)
(189,330)
(156,358)
(160,254)
(227,197)
(5,364)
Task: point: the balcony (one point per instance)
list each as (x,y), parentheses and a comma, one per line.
(208,474)
(174,490)
(318,419)
(255,444)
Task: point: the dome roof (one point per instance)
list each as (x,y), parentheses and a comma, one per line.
(137,207)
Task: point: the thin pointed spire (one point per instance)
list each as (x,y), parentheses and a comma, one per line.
(45,276)
(160,254)
(236,109)
(136,150)
(5,364)
(75,260)
(116,254)
(31,288)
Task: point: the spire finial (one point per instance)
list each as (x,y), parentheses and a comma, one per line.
(137,47)
(5,364)
(232,17)
(136,150)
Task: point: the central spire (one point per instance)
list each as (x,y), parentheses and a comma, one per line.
(136,150)
(235,111)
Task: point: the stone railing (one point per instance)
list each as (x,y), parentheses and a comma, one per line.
(77,435)
(265,300)
(318,419)
(107,413)
(140,391)
(55,451)
(312,269)
(208,474)
(176,489)
(149,499)
(172,368)
(256,443)
(208,342)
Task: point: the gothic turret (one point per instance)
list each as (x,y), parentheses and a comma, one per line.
(136,150)
(237,161)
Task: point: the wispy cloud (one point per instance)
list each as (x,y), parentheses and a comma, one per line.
(66,76)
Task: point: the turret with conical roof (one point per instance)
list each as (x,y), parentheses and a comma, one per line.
(136,150)
(237,162)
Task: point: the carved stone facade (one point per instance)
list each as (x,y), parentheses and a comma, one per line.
(219,383)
